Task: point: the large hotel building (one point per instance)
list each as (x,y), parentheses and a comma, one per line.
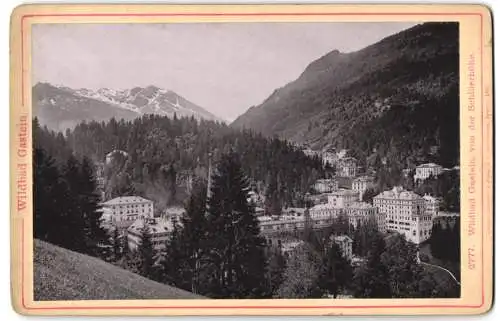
(406,213)
(127,209)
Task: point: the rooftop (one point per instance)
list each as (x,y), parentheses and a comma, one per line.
(347,159)
(428,165)
(428,197)
(342,238)
(126,200)
(124,153)
(364,179)
(321,207)
(156,226)
(360,205)
(342,192)
(174,211)
(398,193)
(326,180)
(282,219)
(294,210)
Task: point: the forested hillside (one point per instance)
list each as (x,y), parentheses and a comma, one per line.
(397,99)
(164,155)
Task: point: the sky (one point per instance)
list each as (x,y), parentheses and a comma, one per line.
(223,67)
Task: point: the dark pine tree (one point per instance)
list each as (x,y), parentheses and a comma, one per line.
(455,242)
(335,273)
(50,198)
(276,269)
(436,240)
(173,263)
(236,250)
(372,279)
(75,219)
(117,248)
(146,252)
(89,205)
(194,230)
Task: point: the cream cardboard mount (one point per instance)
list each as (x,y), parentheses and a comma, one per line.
(359,183)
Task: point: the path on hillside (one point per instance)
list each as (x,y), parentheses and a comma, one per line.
(439,267)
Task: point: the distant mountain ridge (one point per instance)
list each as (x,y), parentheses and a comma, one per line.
(399,93)
(61,107)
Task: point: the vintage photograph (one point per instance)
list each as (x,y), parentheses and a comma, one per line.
(250,160)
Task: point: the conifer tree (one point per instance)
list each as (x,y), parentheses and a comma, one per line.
(90,207)
(194,230)
(300,278)
(117,251)
(400,259)
(174,260)
(336,272)
(50,198)
(372,279)
(75,219)
(436,240)
(235,248)
(455,242)
(276,270)
(146,252)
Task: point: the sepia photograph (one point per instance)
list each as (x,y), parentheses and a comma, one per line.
(242,161)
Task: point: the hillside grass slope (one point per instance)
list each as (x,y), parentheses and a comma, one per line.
(61,274)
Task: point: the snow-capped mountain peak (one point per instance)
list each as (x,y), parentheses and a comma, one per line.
(148,100)
(62,107)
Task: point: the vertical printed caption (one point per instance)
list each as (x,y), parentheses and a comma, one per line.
(21,173)
(472,161)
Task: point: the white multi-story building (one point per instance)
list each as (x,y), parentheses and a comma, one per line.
(326,185)
(347,167)
(361,184)
(361,212)
(342,198)
(405,213)
(431,205)
(424,171)
(284,223)
(345,244)
(324,211)
(160,229)
(128,208)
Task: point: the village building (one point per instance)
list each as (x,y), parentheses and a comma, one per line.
(324,211)
(284,223)
(361,184)
(424,171)
(344,242)
(326,185)
(364,213)
(160,229)
(124,210)
(342,198)
(405,213)
(431,205)
(347,167)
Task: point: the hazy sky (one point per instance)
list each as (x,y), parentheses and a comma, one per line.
(223,67)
